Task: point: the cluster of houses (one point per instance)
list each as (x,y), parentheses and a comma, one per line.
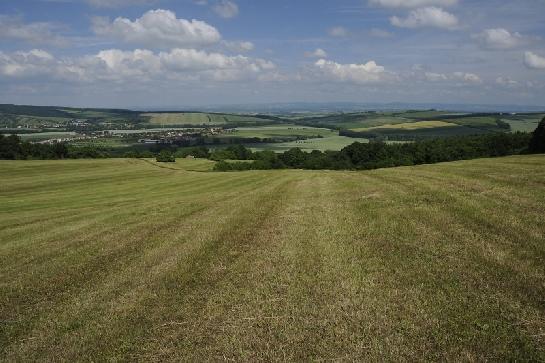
(177,136)
(79,123)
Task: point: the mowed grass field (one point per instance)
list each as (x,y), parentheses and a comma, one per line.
(129,260)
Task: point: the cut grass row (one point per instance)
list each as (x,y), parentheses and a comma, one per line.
(125,260)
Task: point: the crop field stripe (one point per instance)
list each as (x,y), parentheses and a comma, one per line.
(397,264)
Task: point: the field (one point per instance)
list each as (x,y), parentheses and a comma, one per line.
(197,119)
(411,126)
(524,122)
(129,260)
(323,144)
(47,135)
(285,130)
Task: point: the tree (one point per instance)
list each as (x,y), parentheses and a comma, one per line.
(537,143)
(165,156)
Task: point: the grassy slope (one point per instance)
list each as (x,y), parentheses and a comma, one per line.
(411,126)
(280,131)
(199,119)
(125,260)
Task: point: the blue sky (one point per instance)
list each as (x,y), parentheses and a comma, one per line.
(160,53)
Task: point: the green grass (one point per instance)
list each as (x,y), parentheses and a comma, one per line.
(47,135)
(127,260)
(524,123)
(103,142)
(185,164)
(334,143)
(410,126)
(485,121)
(280,131)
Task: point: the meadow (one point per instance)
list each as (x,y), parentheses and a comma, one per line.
(131,260)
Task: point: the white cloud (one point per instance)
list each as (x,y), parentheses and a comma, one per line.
(12,27)
(135,66)
(435,77)
(118,3)
(239,46)
(158,28)
(226,9)
(412,3)
(498,38)
(470,78)
(25,64)
(317,53)
(338,31)
(369,72)
(466,77)
(534,61)
(506,81)
(427,17)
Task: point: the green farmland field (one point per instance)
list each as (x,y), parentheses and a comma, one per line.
(131,260)
(198,119)
(410,126)
(334,143)
(281,131)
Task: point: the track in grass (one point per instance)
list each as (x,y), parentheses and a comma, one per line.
(124,260)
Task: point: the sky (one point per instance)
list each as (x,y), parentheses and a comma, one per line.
(190,53)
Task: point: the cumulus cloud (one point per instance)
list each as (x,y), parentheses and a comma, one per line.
(158,28)
(470,78)
(25,64)
(338,31)
(412,3)
(506,81)
(435,77)
(118,3)
(226,9)
(534,61)
(466,77)
(427,17)
(135,66)
(13,27)
(317,53)
(369,72)
(498,38)
(239,46)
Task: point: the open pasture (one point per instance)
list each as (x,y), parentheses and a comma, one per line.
(130,260)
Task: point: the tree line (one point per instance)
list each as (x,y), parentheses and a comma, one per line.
(374,155)
(357,156)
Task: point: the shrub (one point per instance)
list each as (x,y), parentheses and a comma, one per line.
(165,157)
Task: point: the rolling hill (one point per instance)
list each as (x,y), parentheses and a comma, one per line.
(129,260)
